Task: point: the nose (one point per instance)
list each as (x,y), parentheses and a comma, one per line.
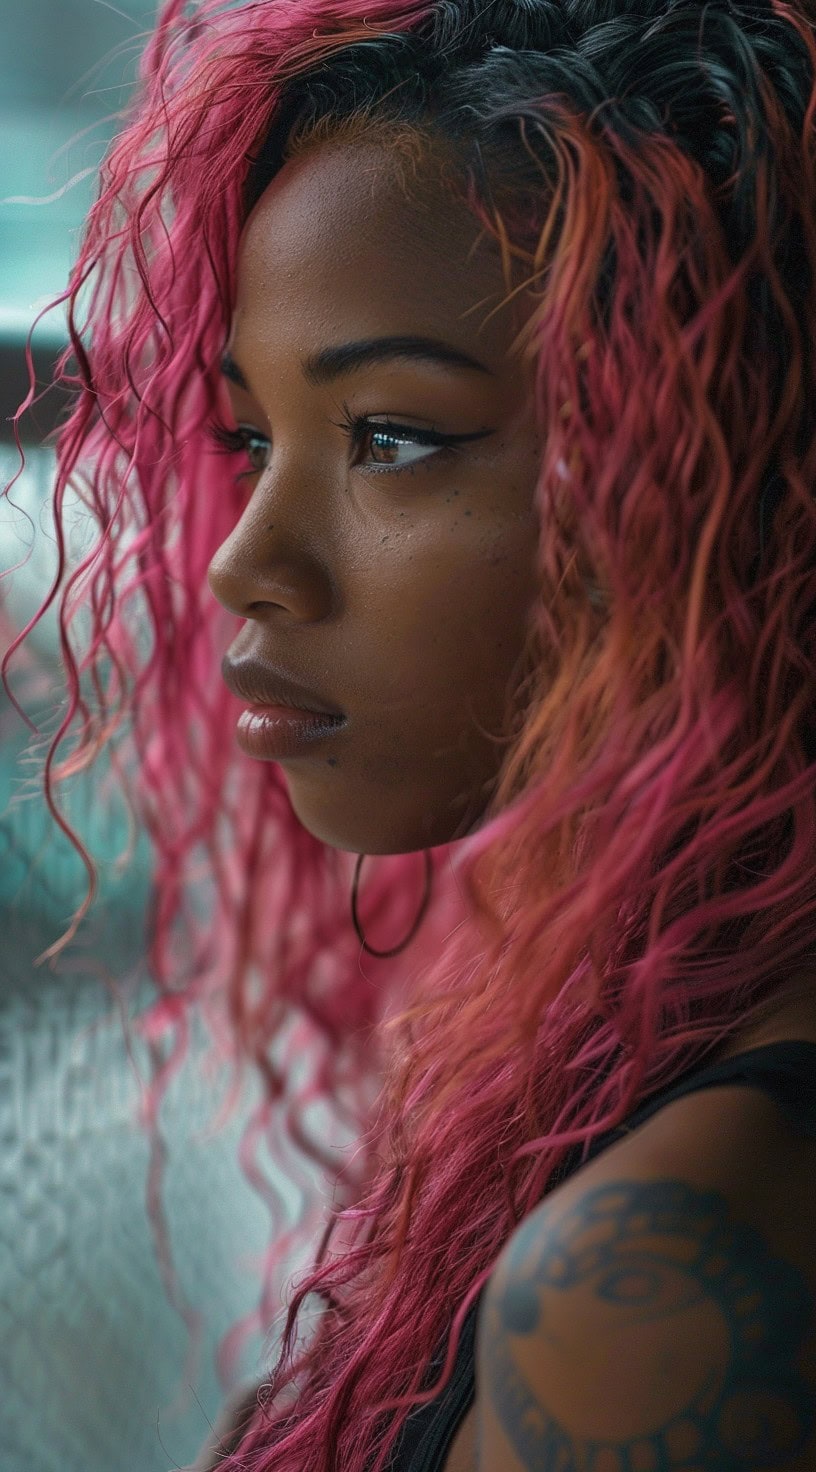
(267,560)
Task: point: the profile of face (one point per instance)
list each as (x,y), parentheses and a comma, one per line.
(391,570)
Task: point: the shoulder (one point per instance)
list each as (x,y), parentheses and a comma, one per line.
(658,1310)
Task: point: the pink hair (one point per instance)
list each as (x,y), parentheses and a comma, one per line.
(645,877)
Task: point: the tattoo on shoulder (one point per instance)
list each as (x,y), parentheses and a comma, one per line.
(632,1259)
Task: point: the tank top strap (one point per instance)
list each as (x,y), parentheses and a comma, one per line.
(785,1070)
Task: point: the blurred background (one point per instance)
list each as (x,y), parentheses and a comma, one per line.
(94,1374)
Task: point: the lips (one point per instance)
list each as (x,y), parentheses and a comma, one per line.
(260,683)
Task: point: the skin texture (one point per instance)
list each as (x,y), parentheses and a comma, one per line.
(400,594)
(658,1311)
(659,1271)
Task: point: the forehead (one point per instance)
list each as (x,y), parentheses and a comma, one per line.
(337,248)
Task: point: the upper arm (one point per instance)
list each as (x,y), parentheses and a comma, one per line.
(649,1320)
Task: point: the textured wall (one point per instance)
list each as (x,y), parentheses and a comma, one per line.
(92,1355)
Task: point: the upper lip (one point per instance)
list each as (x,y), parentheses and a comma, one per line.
(260,683)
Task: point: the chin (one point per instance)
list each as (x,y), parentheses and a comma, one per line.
(371,822)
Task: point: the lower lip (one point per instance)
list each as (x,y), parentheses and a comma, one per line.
(274,731)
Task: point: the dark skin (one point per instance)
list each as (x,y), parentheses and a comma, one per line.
(403,596)
(396,579)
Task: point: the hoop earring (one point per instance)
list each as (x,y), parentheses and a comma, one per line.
(415,927)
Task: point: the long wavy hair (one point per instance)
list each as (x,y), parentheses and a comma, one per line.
(645,875)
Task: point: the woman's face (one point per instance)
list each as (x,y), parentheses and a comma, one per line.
(391,576)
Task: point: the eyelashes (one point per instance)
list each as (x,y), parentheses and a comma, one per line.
(244,440)
(236,442)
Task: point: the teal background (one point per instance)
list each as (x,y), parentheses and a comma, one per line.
(92,1354)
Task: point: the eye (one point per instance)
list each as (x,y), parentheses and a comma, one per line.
(385,438)
(392,439)
(241,441)
(394,447)
(257,449)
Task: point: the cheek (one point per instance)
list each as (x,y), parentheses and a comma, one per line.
(457,612)
(490,614)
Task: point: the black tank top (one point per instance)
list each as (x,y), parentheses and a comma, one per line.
(786,1070)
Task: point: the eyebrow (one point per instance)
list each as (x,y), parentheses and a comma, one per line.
(331,363)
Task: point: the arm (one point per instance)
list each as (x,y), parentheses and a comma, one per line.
(663,1319)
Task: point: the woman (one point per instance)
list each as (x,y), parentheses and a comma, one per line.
(503,316)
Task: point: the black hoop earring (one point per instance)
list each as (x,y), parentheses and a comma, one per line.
(415,927)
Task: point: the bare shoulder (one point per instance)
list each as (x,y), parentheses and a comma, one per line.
(658,1310)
